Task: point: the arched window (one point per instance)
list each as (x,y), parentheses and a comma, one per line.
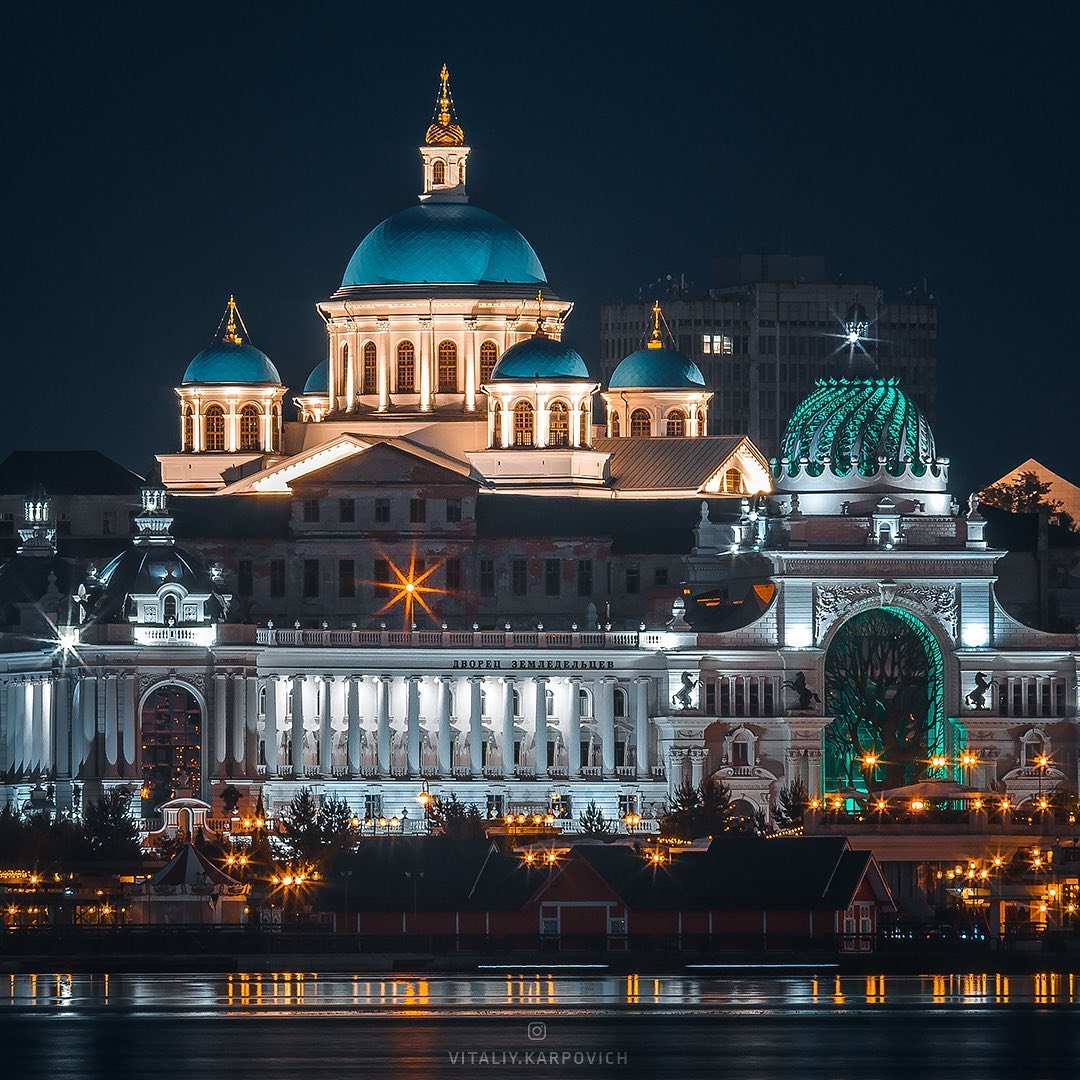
(618,703)
(701,421)
(640,424)
(438,172)
(733,481)
(275,428)
(342,368)
(249,428)
(496,426)
(370,382)
(549,702)
(584,702)
(489,357)
(168,608)
(559,424)
(189,428)
(517,703)
(406,367)
(215,428)
(614,425)
(676,422)
(586,425)
(447,367)
(523,424)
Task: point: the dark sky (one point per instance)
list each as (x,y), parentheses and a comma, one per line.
(161,156)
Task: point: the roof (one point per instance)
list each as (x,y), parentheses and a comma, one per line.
(657,369)
(318,382)
(191,867)
(226,362)
(66,472)
(540,357)
(666,464)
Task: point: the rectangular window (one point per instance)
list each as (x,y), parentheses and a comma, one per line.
(519,577)
(382,511)
(277,577)
(710,698)
(487,577)
(311,510)
(417,511)
(717,345)
(382,571)
(346,577)
(453,511)
(311,577)
(244,577)
(660,576)
(346,510)
(63,525)
(108,523)
(552,577)
(633,579)
(453,574)
(584,577)
(7,524)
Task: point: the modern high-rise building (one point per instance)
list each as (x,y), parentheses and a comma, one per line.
(773,324)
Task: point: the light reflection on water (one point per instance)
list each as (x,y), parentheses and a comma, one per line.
(522,993)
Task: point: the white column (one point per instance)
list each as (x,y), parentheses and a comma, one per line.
(297,756)
(640,704)
(382,712)
(88,686)
(606,720)
(127,723)
(352,720)
(508,726)
(540,732)
(445,729)
(239,720)
(476,727)
(470,365)
(573,730)
(382,343)
(697,765)
(326,735)
(676,766)
(425,380)
(37,724)
(111,747)
(62,714)
(11,727)
(412,723)
(249,756)
(270,726)
(813,758)
(218,741)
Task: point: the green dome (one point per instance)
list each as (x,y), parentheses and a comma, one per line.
(860,423)
(657,369)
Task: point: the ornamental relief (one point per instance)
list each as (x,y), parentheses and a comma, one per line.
(833,601)
(929,568)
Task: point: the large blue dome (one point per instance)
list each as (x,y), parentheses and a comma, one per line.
(225,362)
(444,244)
(540,358)
(657,369)
(318,382)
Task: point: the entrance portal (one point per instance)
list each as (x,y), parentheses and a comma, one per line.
(171,746)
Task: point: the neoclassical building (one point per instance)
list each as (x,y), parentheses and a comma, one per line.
(468,567)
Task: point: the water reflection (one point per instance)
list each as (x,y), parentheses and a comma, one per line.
(521,993)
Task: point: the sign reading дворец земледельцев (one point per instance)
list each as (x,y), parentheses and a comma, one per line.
(527,664)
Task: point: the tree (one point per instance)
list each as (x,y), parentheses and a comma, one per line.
(877,687)
(336,831)
(593,822)
(791,803)
(300,820)
(699,811)
(108,827)
(1027,494)
(454,820)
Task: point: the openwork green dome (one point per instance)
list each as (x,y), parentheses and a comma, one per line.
(857,424)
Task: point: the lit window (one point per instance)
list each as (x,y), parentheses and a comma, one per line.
(447,367)
(523,424)
(249,428)
(676,423)
(215,428)
(640,425)
(406,367)
(489,357)
(717,345)
(559,424)
(438,172)
(371,369)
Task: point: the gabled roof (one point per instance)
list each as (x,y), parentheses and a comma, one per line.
(675,464)
(191,867)
(66,472)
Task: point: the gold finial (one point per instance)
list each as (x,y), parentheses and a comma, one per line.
(540,330)
(656,341)
(233,320)
(443,131)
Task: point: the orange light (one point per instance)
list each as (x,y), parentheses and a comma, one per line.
(870,760)
(409,589)
(917,805)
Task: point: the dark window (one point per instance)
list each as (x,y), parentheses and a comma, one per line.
(311,577)
(63,525)
(311,509)
(453,574)
(346,577)
(108,523)
(277,577)
(453,510)
(710,698)
(552,577)
(417,511)
(244,577)
(519,577)
(618,703)
(660,575)
(7,524)
(346,510)
(382,511)
(382,571)
(487,577)
(633,579)
(584,577)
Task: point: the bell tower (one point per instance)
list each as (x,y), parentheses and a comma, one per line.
(444,152)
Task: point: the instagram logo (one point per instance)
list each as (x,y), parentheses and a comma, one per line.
(537,1031)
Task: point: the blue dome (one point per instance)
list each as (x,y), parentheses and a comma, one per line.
(228,363)
(540,358)
(444,244)
(318,382)
(657,369)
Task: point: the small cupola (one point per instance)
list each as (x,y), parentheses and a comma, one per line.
(444,152)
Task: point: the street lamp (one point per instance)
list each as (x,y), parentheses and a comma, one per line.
(632,820)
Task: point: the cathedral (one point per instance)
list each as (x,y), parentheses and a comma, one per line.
(457,563)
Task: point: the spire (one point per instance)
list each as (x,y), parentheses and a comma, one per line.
(444,130)
(656,340)
(232,317)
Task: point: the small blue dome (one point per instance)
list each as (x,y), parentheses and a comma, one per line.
(657,369)
(540,358)
(444,244)
(318,382)
(225,362)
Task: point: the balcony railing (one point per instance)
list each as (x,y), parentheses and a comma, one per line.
(451,639)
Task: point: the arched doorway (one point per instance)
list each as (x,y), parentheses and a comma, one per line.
(885,689)
(172,745)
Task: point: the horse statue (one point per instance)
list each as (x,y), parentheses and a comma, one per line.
(977,698)
(806,696)
(684,697)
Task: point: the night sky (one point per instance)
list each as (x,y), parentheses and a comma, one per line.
(160,157)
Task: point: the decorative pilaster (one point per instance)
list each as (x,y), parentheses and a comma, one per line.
(476,727)
(352,723)
(62,714)
(382,712)
(296,759)
(606,718)
(445,727)
(239,724)
(508,726)
(698,755)
(111,734)
(218,742)
(127,705)
(270,726)
(425,380)
(573,736)
(326,734)
(642,734)
(412,724)
(540,726)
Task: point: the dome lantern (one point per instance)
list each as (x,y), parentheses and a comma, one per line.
(444,152)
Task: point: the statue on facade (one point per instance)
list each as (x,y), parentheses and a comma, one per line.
(976,699)
(807,696)
(684,697)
